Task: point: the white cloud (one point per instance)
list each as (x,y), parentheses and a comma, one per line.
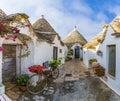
(115,9)
(82,7)
(63,22)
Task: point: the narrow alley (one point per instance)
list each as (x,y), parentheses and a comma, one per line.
(75,83)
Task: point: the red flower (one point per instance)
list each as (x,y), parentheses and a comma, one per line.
(14,38)
(36,69)
(1,28)
(1,48)
(16,30)
(6,38)
(28,25)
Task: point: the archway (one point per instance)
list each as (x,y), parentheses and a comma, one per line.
(77,52)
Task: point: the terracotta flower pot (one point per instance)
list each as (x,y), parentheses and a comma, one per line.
(23,88)
(100,74)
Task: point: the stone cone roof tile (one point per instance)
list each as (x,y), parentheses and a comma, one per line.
(115,24)
(99,38)
(74,37)
(43,26)
(2,14)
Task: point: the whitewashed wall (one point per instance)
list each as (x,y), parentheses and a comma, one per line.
(58,44)
(66,50)
(87,55)
(22,64)
(113,83)
(28,61)
(111,40)
(43,52)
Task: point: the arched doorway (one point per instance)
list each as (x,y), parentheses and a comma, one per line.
(77,52)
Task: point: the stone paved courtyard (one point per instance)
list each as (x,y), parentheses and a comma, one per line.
(75,83)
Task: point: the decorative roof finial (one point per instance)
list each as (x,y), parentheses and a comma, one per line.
(75,28)
(42,16)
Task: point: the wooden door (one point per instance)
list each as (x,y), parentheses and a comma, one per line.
(55,52)
(112,60)
(9,63)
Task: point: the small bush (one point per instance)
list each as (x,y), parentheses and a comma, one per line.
(22,80)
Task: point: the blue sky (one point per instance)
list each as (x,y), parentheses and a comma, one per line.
(88,15)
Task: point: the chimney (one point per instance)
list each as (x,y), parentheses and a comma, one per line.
(105,26)
(42,16)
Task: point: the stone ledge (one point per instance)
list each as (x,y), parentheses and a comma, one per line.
(2,89)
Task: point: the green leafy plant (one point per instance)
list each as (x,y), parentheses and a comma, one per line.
(67,58)
(22,80)
(55,62)
(92,60)
(70,52)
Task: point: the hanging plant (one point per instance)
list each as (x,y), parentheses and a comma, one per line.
(9,32)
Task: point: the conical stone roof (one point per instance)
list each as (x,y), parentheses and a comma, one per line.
(43,26)
(99,38)
(74,37)
(44,31)
(115,24)
(2,14)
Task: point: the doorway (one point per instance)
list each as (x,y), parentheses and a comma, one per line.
(55,52)
(77,52)
(9,62)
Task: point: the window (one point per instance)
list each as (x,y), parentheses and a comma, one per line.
(112,60)
(60,50)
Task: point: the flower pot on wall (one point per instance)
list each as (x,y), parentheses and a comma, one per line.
(99,53)
(100,74)
(99,70)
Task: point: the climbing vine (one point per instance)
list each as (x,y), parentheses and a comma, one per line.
(10,32)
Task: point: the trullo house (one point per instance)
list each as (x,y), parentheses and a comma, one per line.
(42,43)
(108,44)
(74,42)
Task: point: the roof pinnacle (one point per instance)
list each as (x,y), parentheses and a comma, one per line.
(42,16)
(75,28)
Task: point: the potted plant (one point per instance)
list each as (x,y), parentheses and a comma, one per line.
(70,53)
(36,69)
(67,58)
(92,60)
(55,62)
(22,81)
(99,70)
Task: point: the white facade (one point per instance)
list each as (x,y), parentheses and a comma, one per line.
(87,55)
(40,52)
(44,51)
(18,61)
(112,82)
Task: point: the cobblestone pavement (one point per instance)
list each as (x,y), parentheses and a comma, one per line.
(75,83)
